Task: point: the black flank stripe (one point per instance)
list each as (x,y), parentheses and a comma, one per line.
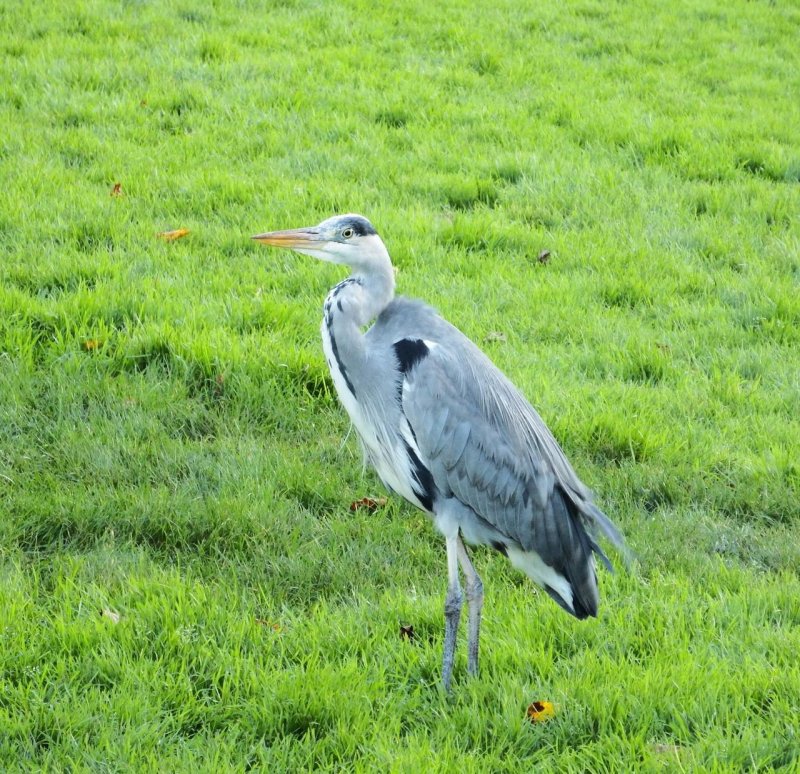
(426,489)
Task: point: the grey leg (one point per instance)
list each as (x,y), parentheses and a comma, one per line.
(475,602)
(452,609)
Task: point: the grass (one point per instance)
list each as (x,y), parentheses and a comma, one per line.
(171,449)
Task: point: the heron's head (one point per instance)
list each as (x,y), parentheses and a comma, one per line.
(349,239)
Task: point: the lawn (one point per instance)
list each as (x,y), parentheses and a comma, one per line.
(184,585)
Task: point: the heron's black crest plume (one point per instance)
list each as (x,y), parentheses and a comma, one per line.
(360,225)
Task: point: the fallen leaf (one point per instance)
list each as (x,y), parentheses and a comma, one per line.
(171,236)
(496,336)
(90,345)
(544,256)
(276,627)
(667,749)
(112,615)
(370,503)
(116,190)
(539,711)
(408,633)
(219,385)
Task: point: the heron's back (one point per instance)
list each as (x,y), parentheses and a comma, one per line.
(484,444)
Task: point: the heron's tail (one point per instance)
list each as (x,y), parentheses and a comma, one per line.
(561,555)
(577,561)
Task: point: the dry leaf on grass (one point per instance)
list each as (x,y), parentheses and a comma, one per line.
(496,336)
(661,748)
(370,503)
(111,615)
(408,633)
(539,711)
(116,190)
(171,236)
(90,345)
(276,627)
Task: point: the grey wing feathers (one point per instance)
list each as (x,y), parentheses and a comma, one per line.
(487,445)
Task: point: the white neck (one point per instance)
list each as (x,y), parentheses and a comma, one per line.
(365,298)
(351,305)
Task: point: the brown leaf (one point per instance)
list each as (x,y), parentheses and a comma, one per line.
(111,615)
(370,503)
(219,385)
(276,627)
(116,190)
(544,256)
(496,336)
(90,345)
(408,633)
(539,711)
(667,749)
(171,236)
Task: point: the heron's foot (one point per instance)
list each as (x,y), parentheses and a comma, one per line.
(452,614)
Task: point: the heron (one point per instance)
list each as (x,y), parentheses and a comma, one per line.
(446,430)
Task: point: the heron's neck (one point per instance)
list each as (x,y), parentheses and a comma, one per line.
(349,306)
(365,294)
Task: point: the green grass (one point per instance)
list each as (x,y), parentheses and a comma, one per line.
(171,448)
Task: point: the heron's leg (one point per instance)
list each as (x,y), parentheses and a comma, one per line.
(452,609)
(475,601)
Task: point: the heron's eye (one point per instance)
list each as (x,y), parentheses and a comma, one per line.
(347,233)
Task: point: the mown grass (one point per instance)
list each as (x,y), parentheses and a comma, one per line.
(171,449)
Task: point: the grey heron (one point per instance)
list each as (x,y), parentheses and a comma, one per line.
(448,431)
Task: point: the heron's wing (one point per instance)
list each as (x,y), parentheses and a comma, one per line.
(486,445)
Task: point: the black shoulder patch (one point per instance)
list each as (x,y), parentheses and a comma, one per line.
(410,352)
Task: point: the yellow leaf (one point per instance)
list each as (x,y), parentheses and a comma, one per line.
(171,236)
(539,711)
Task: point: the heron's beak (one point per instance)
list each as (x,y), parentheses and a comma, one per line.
(293,238)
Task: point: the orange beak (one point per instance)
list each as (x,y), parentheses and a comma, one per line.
(292,238)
